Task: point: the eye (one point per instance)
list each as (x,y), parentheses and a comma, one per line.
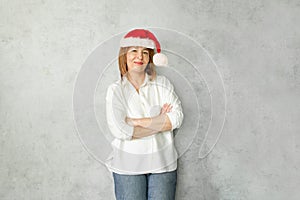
(145,52)
(132,50)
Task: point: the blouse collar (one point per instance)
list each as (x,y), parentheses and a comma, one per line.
(125,81)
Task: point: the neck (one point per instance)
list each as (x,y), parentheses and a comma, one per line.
(136,79)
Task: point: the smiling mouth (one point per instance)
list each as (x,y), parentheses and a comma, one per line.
(139,63)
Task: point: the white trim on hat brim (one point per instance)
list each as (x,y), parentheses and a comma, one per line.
(140,42)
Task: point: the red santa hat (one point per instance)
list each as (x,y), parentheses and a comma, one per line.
(144,38)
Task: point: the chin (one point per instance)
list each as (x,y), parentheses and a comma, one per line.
(139,68)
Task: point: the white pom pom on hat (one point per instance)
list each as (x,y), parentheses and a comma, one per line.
(144,38)
(160,59)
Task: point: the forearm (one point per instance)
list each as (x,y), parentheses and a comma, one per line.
(140,132)
(147,126)
(158,123)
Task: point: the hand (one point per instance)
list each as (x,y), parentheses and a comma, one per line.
(166,108)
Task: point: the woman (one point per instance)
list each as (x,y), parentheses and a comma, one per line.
(142,111)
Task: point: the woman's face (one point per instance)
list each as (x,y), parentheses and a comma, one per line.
(137,59)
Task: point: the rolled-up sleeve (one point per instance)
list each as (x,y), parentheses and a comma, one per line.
(116,114)
(176,114)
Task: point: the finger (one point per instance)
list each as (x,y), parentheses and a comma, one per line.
(165,106)
(163,109)
(168,107)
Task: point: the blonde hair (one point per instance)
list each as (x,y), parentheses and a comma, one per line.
(150,69)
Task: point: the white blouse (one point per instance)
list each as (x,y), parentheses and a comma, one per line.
(152,154)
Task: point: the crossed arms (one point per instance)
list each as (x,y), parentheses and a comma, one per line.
(125,128)
(144,127)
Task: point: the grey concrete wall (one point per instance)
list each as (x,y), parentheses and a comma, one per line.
(256,45)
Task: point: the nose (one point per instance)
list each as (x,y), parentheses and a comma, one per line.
(140,55)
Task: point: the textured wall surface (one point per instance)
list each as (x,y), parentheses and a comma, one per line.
(256,45)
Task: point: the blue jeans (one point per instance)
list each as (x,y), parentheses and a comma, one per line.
(160,186)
